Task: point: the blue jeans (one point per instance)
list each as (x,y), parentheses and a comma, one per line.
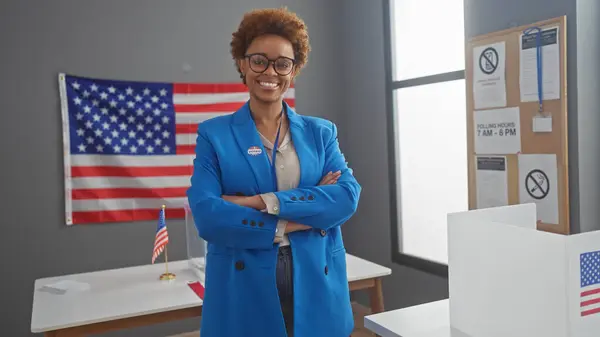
(285,286)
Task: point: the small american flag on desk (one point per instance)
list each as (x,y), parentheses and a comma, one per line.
(161,238)
(129,146)
(590,283)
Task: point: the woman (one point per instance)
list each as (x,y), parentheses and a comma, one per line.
(276,260)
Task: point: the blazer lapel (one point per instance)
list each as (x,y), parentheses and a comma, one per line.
(302,143)
(251,147)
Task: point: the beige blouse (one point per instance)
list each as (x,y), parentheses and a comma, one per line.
(288,177)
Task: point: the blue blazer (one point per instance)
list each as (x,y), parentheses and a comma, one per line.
(241,298)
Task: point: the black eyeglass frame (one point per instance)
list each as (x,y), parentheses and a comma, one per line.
(270,62)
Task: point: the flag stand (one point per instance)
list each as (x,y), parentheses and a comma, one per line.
(167,276)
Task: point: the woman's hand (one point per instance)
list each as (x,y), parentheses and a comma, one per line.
(330,178)
(294,227)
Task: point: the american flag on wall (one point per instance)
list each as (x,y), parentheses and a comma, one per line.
(589,264)
(129,146)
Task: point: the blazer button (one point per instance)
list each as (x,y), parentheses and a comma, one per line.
(252,223)
(239,265)
(294,198)
(302,198)
(245,222)
(260,224)
(326,270)
(323,232)
(310,197)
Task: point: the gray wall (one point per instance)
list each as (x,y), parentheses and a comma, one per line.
(151,40)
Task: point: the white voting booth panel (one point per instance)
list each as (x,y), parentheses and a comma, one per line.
(508,279)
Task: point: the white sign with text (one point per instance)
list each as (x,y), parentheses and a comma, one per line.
(497,131)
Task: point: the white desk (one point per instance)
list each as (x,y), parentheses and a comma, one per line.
(424,320)
(130,297)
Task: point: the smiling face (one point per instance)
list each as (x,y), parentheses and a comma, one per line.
(276,54)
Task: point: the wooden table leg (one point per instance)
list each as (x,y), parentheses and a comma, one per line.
(376,297)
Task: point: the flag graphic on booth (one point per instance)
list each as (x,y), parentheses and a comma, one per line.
(589,264)
(129,146)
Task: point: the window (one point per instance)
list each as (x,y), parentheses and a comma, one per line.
(428,37)
(427,127)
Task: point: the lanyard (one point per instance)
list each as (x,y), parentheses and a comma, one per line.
(538,47)
(274,155)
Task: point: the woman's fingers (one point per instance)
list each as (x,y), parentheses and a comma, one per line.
(330,178)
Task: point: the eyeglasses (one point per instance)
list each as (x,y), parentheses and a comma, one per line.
(259,63)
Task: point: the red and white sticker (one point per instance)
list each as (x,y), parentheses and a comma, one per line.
(254,150)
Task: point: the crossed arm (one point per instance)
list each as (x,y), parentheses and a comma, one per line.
(257,202)
(240,222)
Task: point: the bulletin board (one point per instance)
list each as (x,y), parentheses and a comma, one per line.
(517,147)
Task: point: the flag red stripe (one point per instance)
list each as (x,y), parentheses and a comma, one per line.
(162,234)
(590,292)
(124,193)
(217,107)
(130,171)
(161,242)
(159,250)
(186,128)
(210,88)
(186,149)
(124,215)
(590,312)
(590,302)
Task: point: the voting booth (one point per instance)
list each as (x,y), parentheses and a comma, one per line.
(196,246)
(509,279)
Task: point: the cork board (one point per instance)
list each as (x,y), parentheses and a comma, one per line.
(552,141)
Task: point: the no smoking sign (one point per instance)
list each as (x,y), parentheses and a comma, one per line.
(537,184)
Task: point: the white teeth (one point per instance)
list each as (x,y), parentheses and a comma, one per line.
(268,84)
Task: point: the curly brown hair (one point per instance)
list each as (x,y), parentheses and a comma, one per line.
(277,21)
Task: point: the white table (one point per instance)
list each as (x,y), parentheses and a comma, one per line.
(131,297)
(424,320)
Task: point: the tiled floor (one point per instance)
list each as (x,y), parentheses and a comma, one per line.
(359,330)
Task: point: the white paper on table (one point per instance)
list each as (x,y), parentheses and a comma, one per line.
(538,183)
(489,82)
(497,131)
(64,286)
(492,182)
(528,66)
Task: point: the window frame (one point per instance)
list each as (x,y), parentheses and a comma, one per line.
(391,85)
